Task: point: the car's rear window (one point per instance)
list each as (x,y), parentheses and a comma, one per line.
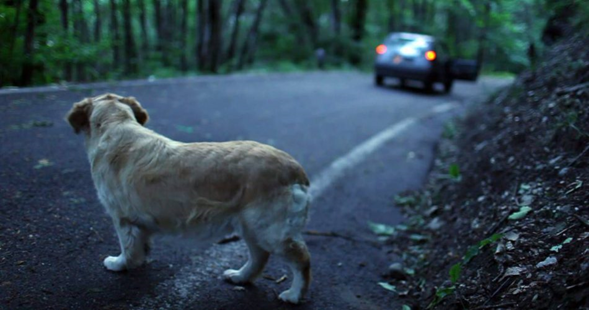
(408,46)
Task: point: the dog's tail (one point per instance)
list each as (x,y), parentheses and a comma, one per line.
(298,211)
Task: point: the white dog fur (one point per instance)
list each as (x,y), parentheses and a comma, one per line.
(150,184)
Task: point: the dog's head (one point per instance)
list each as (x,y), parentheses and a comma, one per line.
(92,113)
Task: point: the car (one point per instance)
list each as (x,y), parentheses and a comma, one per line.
(412,56)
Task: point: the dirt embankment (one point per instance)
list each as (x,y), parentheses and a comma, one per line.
(504,220)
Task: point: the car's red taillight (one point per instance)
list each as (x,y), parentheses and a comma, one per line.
(430,55)
(381,49)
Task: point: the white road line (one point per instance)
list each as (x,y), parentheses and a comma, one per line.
(182,289)
(358,154)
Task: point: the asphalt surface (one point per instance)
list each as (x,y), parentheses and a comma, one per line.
(54,234)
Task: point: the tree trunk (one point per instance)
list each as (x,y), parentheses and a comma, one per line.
(483,34)
(239,8)
(201,40)
(358,21)
(98,22)
(183,30)
(143,25)
(336,17)
(306,13)
(116,37)
(157,10)
(215,42)
(81,32)
(63,7)
(130,50)
(293,26)
(393,16)
(14,28)
(28,66)
(249,46)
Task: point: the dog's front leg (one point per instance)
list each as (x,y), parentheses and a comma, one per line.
(134,242)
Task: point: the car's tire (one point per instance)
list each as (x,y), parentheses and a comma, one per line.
(448,85)
(428,86)
(378,80)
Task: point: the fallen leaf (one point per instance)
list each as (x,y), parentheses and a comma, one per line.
(284,277)
(513,271)
(523,211)
(574,186)
(186,129)
(557,248)
(405,307)
(511,236)
(42,163)
(381,229)
(387,286)
(551,260)
(239,288)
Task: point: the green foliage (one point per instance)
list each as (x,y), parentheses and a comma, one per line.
(475,249)
(450,130)
(456,269)
(454,172)
(455,272)
(499,30)
(441,293)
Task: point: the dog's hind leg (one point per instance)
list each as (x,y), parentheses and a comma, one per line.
(134,243)
(258,258)
(297,256)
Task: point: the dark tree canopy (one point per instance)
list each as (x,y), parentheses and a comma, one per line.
(51,41)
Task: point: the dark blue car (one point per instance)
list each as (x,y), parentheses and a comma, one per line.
(410,56)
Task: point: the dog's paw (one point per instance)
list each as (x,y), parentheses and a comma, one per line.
(113,263)
(234,276)
(290,296)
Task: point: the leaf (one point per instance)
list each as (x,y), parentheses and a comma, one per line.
(409,271)
(381,229)
(418,238)
(575,186)
(470,253)
(454,172)
(490,240)
(405,201)
(455,272)
(557,248)
(440,294)
(524,188)
(405,307)
(186,129)
(475,249)
(387,286)
(42,163)
(523,211)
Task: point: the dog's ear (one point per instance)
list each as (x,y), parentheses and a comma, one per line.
(140,114)
(79,115)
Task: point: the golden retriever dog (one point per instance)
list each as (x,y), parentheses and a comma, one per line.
(150,184)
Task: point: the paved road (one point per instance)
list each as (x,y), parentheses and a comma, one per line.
(54,234)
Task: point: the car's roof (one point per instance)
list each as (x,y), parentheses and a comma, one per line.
(411,36)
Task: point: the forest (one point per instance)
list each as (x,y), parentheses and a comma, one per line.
(56,41)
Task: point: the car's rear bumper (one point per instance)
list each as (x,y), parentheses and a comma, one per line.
(404,73)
